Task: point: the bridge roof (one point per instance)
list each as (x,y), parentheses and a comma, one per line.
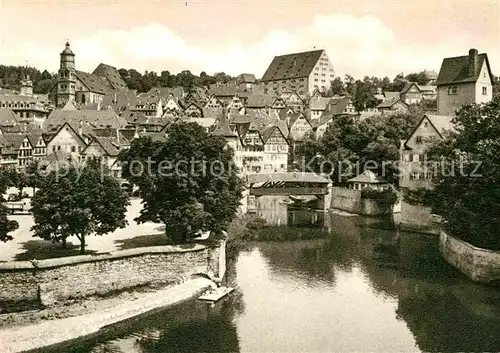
(297,177)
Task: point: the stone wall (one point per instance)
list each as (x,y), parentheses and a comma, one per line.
(55,280)
(418,219)
(480,265)
(350,200)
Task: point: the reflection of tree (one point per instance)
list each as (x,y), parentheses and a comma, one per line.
(191,326)
(440,322)
(215,334)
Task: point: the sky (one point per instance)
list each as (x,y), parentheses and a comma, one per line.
(371,37)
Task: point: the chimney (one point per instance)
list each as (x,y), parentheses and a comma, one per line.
(473,62)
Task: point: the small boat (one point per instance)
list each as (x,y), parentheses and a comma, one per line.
(215,294)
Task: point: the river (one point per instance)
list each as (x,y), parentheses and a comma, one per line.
(329,294)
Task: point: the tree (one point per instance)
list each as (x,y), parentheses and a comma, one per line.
(465,189)
(84,201)
(337,87)
(371,143)
(35,175)
(6,225)
(190,184)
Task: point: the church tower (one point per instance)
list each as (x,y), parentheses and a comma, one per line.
(26,86)
(66,80)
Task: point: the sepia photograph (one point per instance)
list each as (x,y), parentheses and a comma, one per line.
(249,176)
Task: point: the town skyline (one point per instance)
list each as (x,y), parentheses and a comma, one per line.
(359,37)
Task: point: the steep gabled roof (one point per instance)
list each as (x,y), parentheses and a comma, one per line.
(456,70)
(389,103)
(297,65)
(93,82)
(108,146)
(409,85)
(224,130)
(441,123)
(111,75)
(34,137)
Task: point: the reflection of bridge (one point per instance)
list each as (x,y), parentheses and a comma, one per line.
(290,184)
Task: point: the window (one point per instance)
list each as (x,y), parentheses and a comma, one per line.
(418,139)
(425,124)
(414,175)
(58,148)
(485,91)
(453,90)
(73,149)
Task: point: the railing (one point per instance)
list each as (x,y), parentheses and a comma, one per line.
(288,191)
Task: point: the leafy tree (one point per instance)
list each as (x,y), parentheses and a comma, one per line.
(6,225)
(85,201)
(35,174)
(188,182)
(465,190)
(337,87)
(372,143)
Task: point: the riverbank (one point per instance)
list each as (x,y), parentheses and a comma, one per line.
(33,330)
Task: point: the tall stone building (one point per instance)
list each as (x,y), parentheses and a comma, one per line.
(66,79)
(83,88)
(300,72)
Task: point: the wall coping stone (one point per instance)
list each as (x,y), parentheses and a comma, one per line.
(469,245)
(78,259)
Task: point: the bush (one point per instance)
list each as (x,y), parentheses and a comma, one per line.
(387,196)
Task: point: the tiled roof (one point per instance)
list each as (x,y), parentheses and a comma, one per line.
(368,177)
(13,140)
(93,82)
(246,78)
(337,106)
(290,66)
(127,134)
(391,94)
(107,145)
(318,103)
(441,122)
(427,88)
(176,92)
(408,85)
(96,118)
(389,103)
(212,112)
(111,75)
(224,130)
(456,70)
(119,99)
(259,101)
(7,117)
(34,137)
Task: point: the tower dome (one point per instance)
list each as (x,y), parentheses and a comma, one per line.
(67,50)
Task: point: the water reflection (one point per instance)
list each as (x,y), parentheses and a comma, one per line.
(323,295)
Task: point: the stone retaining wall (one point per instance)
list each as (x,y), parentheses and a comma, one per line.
(418,219)
(350,200)
(48,282)
(480,265)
